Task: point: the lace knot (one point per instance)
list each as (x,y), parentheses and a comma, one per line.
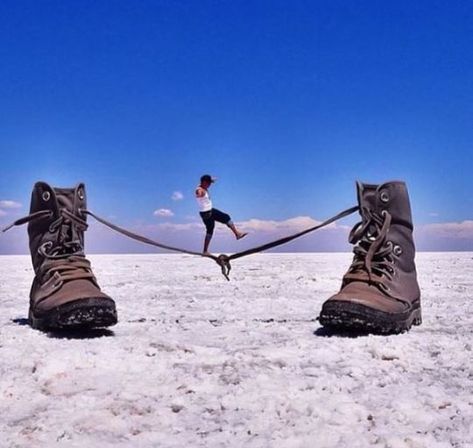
(224,262)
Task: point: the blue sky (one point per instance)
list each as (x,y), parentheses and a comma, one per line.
(288,103)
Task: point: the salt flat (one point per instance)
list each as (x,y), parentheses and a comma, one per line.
(196,361)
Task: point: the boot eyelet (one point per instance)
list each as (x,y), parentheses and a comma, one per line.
(384,212)
(397,250)
(45,247)
(81,194)
(46,196)
(384,196)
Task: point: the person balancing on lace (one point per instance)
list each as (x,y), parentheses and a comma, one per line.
(209,214)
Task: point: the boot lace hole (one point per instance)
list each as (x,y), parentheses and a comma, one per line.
(397,250)
(81,194)
(45,248)
(384,196)
(46,196)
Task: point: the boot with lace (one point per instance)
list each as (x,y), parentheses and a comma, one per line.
(379,293)
(65,293)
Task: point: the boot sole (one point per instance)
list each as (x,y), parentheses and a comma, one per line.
(350,316)
(80,314)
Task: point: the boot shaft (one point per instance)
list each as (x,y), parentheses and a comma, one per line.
(393,198)
(63,231)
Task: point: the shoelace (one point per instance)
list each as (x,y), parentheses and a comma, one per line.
(65,259)
(222,260)
(373,261)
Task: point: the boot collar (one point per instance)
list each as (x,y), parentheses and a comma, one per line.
(46,197)
(390,196)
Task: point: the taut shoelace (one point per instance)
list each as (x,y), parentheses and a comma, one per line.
(222,260)
(373,261)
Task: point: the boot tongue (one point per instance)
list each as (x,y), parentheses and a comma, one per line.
(65,198)
(367,201)
(366,196)
(70,199)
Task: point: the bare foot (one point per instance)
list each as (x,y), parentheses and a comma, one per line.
(241,235)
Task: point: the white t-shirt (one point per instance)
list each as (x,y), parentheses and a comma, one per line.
(205,203)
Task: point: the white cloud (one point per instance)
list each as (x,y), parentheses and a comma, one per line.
(179,227)
(9,204)
(295,224)
(3,213)
(434,214)
(163,212)
(457,230)
(177,196)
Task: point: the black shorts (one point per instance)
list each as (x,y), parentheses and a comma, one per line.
(211,216)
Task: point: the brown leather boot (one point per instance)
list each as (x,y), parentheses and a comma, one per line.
(65,293)
(379,293)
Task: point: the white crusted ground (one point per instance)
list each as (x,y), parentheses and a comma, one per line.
(197,361)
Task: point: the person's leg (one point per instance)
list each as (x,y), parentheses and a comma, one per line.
(209,222)
(239,235)
(224,218)
(208,238)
